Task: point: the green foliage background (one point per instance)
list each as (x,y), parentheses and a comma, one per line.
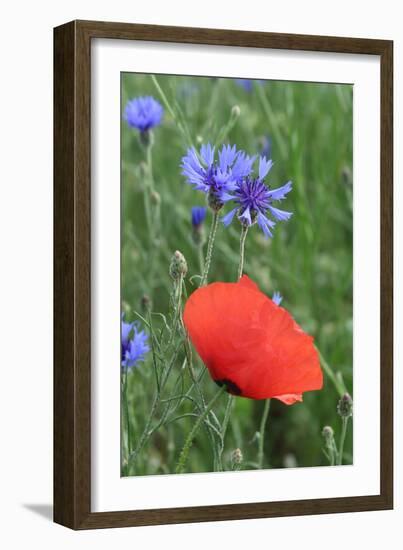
(309,260)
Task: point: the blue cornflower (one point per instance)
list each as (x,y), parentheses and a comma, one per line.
(187,89)
(143,113)
(277,298)
(265,146)
(134,344)
(254,200)
(198,215)
(125,334)
(216,178)
(247,83)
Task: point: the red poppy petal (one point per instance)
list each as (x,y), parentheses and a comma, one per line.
(223,324)
(290,398)
(250,343)
(248,283)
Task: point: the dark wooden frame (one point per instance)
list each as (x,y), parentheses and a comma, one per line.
(72,268)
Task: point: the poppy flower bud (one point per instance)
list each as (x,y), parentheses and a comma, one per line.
(328,434)
(236,458)
(179,266)
(155,198)
(235,111)
(146,303)
(345,406)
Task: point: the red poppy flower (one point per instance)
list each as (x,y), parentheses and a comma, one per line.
(250,344)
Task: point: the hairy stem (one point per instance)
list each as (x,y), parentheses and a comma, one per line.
(338,384)
(153,213)
(271,117)
(176,324)
(210,246)
(189,440)
(126,414)
(182,127)
(201,258)
(262,429)
(342,440)
(224,427)
(202,406)
(242,240)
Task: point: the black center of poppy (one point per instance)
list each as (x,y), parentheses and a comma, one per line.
(230,386)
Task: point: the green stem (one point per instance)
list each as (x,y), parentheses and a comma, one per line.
(129,437)
(210,246)
(189,440)
(224,427)
(152,341)
(341,389)
(183,129)
(342,440)
(244,232)
(272,120)
(152,214)
(333,454)
(188,354)
(201,258)
(262,429)
(147,429)
(225,130)
(149,160)
(147,209)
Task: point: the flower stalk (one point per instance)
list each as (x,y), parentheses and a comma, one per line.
(244,232)
(262,430)
(344,424)
(210,247)
(189,440)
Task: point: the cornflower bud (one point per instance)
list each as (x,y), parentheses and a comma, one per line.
(198,216)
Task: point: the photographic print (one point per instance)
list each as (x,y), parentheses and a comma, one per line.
(236,274)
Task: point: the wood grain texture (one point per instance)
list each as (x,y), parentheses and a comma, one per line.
(72,274)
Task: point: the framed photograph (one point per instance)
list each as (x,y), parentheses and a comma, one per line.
(222,274)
